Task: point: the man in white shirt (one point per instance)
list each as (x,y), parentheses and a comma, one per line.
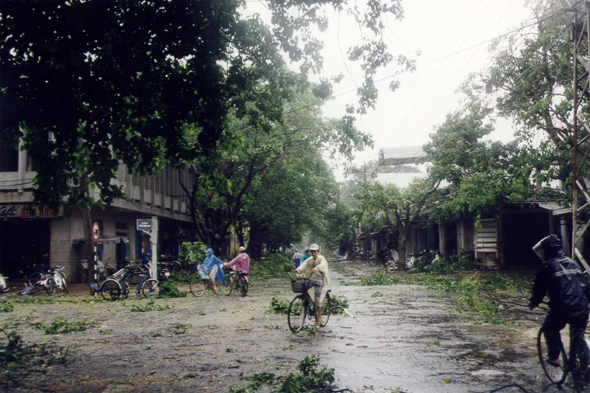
(316,268)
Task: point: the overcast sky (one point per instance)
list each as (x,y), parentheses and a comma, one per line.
(437,29)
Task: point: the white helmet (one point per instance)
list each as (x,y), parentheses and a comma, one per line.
(242,249)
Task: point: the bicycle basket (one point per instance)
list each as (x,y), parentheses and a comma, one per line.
(298,284)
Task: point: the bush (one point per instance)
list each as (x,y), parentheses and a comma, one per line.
(464,261)
(191,253)
(336,303)
(279,306)
(6,307)
(64,326)
(310,378)
(150,306)
(169,290)
(18,359)
(274,266)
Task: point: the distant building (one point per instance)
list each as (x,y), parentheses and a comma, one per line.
(503,238)
(402,155)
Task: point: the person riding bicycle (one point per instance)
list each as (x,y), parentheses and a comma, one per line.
(566,284)
(241,263)
(316,268)
(212,267)
(305,256)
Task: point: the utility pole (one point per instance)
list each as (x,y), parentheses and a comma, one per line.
(579,188)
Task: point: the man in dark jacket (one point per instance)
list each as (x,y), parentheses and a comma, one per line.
(566,284)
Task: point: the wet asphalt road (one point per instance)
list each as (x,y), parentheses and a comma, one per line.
(405,340)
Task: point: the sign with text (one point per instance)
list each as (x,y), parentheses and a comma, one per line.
(144,224)
(26,211)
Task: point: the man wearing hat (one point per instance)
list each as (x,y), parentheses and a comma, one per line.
(241,262)
(566,284)
(316,268)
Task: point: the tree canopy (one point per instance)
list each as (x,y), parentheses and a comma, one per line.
(480,174)
(532,80)
(89,83)
(256,168)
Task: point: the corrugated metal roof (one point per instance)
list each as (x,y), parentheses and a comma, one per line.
(401,155)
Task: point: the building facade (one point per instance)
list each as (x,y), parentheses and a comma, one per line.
(30,237)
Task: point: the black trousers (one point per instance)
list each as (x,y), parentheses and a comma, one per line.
(552,328)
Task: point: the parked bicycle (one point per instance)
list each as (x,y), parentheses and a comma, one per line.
(170,263)
(235,280)
(199,285)
(35,277)
(117,285)
(303,308)
(5,284)
(52,280)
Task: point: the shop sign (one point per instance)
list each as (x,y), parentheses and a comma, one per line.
(144,224)
(26,211)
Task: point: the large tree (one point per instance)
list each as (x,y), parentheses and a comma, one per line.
(397,207)
(532,80)
(481,175)
(227,181)
(89,83)
(290,202)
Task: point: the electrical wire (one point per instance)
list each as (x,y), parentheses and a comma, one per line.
(521,77)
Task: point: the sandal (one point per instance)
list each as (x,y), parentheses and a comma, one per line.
(554,363)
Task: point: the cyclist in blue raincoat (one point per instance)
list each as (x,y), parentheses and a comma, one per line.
(212,267)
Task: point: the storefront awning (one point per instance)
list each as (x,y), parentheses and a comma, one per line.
(104,240)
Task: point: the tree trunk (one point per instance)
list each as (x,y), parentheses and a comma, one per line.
(89,245)
(403,237)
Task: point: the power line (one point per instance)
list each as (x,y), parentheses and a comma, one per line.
(522,73)
(457,44)
(431,62)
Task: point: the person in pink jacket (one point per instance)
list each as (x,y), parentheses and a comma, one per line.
(241,263)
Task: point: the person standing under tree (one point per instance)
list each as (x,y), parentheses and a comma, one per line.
(316,268)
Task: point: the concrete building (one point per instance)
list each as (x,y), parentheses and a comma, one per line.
(29,236)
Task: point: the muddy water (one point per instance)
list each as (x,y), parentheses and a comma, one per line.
(405,339)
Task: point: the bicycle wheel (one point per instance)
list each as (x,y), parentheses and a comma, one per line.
(243,287)
(34,279)
(150,288)
(579,366)
(50,286)
(197,287)
(5,285)
(297,313)
(228,284)
(125,290)
(110,290)
(391,267)
(372,262)
(326,309)
(557,375)
(217,288)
